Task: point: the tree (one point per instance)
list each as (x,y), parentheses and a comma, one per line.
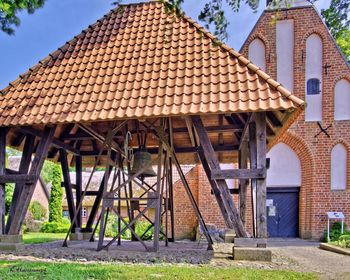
(9,10)
(338,23)
(344,44)
(55,202)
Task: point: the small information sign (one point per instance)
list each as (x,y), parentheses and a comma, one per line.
(335,216)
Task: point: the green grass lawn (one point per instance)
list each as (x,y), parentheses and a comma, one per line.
(41,237)
(40,270)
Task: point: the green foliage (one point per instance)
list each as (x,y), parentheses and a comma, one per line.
(46,172)
(65,221)
(9,188)
(336,17)
(112,228)
(343,241)
(337,20)
(140,228)
(343,42)
(12,152)
(9,10)
(55,202)
(38,211)
(41,237)
(54,227)
(335,232)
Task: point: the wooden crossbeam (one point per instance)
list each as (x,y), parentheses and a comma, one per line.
(17,178)
(159,133)
(210,129)
(23,169)
(231,215)
(178,150)
(28,189)
(257,173)
(56,143)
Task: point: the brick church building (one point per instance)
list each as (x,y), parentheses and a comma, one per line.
(309,172)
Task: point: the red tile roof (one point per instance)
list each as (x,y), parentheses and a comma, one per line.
(140,61)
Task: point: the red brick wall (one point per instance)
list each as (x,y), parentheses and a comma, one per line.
(185,219)
(316,197)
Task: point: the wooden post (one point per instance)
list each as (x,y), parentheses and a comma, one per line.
(67,186)
(95,206)
(78,188)
(3,132)
(243,183)
(28,189)
(261,183)
(253,165)
(222,194)
(170,183)
(158,210)
(23,169)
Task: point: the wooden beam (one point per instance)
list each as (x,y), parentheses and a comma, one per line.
(97,202)
(178,150)
(238,174)
(67,185)
(23,169)
(56,143)
(176,130)
(65,132)
(18,139)
(253,164)
(261,227)
(28,189)
(3,132)
(243,182)
(214,187)
(18,178)
(231,214)
(160,135)
(246,130)
(78,190)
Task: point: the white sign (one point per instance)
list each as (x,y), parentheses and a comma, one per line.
(335,215)
(269,202)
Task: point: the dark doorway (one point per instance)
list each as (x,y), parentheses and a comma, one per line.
(283,212)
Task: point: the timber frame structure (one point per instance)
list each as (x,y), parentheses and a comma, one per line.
(33,120)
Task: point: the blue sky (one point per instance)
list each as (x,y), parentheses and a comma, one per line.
(58,21)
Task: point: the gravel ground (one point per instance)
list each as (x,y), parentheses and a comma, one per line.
(289,254)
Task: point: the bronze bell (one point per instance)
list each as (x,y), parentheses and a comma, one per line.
(142,159)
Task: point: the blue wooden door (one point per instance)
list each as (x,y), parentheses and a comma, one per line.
(282,212)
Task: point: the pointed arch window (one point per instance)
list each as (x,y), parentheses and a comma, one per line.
(338,167)
(342,100)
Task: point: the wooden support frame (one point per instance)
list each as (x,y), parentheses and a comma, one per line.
(3,132)
(243,182)
(222,194)
(67,185)
(261,227)
(15,221)
(78,189)
(253,164)
(159,133)
(23,169)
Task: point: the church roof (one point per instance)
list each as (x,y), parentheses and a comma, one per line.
(140,61)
